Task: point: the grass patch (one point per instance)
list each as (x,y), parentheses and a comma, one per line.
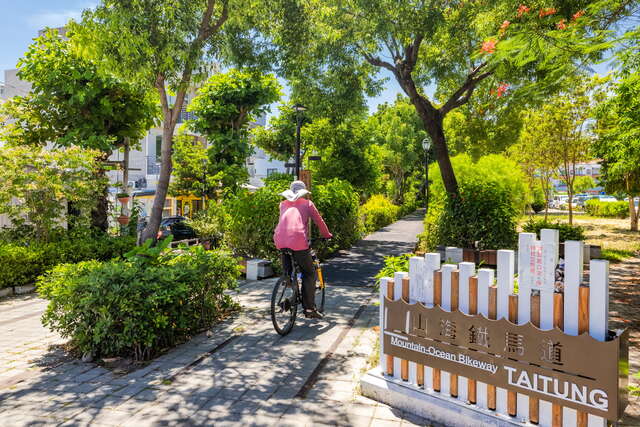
(616,255)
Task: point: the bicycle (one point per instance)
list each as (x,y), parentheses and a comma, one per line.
(287,295)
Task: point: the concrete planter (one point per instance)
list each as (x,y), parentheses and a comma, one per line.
(6,292)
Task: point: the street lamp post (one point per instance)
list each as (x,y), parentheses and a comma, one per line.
(426,144)
(299,109)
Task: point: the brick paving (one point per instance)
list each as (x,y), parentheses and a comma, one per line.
(242,373)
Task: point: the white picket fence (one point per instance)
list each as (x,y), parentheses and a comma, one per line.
(580,308)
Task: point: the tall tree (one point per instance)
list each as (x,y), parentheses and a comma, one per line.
(563,128)
(618,129)
(454,46)
(223,109)
(162,45)
(75,102)
(537,157)
(398,130)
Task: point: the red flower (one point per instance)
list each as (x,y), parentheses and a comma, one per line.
(505,25)
(578,14)
(561,25)
(522,10)
(502,89)
(488,46)
(547,11)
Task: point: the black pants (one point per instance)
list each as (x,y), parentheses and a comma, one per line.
(304,260)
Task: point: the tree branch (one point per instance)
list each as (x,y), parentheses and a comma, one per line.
(464,92)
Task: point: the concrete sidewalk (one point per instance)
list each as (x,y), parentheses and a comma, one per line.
(242,374)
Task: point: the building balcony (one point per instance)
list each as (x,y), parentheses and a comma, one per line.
(153,165)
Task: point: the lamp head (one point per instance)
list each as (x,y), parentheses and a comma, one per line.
(426,143)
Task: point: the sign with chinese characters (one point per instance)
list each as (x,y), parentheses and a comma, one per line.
(542,265)
(574,371)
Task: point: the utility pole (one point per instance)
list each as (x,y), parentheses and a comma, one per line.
(298,109)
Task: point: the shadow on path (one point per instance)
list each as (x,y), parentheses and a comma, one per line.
(359,265)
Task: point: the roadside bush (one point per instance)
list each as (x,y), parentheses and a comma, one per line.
(493,194)
(338,204)
(607,209)
(377,212)
(21,264)
(278,182)
(251,221)
(140,305)
(567,232)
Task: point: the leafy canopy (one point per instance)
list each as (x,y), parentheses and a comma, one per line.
(73,101)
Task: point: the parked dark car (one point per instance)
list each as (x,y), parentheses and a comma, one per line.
(176,226)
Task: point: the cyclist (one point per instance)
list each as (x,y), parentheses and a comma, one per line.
(291,233)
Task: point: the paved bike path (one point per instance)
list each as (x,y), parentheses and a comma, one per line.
(242,373)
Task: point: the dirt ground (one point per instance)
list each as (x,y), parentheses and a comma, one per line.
(609,233)
(624,312)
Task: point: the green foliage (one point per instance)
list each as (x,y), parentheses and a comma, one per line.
(21,264)
(338,203)
(73,101)
(583,183)
(567,231)
(378,212)
(596,207)
(138,306)
(230,101)
(37,184)
(393,264)
(209,224)
(279,182)
(398,131)
(251,221)
(345,147)
(223,109)
(493,194)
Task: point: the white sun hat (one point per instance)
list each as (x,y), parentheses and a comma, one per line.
(295,191)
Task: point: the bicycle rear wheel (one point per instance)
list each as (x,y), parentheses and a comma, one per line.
(284,306)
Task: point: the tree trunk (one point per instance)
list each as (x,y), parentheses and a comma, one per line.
(433,124)
(570,200)
(633,214)
(162,188)
(100,213)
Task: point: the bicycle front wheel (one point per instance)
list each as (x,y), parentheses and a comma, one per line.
(284,306)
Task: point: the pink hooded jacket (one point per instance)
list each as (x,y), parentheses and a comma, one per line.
(291,232)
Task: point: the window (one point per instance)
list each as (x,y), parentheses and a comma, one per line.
(158,147)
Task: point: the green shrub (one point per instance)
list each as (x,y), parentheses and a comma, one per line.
(278,182)
(339,206)
(567,232)
(251,220)
(137,306)
(378,212)
(393,264)
(493,193)
(21,264)
(209,224)
(596,207)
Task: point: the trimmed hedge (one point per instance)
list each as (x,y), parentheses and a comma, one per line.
(596,207)
(21,264)
(140,305)
(378,212)
(567,232)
